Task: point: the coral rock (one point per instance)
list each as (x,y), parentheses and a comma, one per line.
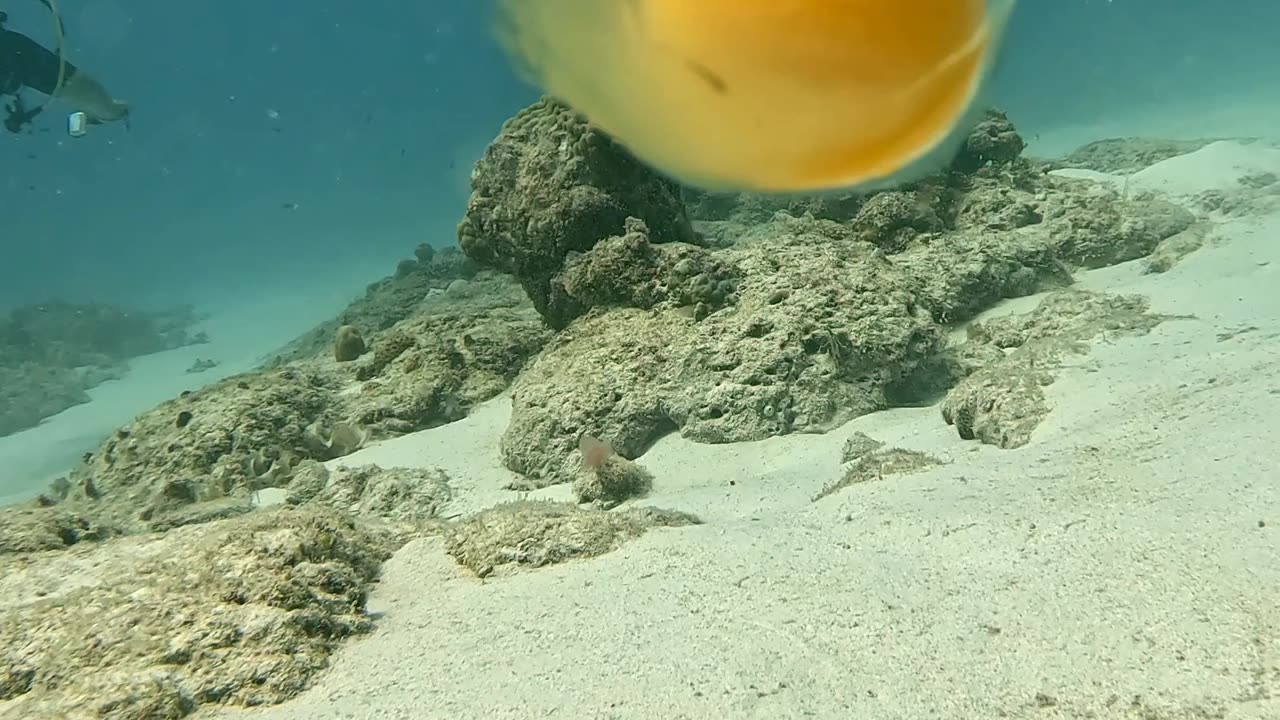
(348,344)
(550,185)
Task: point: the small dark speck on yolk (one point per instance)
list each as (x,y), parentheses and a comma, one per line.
(716,82)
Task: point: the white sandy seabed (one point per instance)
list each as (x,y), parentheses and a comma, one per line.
(1124,564)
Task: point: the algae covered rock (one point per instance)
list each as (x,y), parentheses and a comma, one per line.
(993,140)
(391,300)
(825,328)
(242,610)
(31,392)
(348,344)
(823,324)
(630,271)
(238,612)
(550,185)
(388,301)
(434,367)
(70,335)
(408,497)
(607,479)
(820,321)
(215,444)
(538,533)
(1003,402)
(1127,155)
(202,455)
(39,526)
(1095,226)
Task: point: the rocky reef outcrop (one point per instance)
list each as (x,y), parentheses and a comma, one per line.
(203,454)
(825,310)
(550,186)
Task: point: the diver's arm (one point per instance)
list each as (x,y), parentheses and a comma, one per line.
(30,62)
(38,68)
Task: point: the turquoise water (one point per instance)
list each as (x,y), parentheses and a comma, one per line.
(190,202)
(281,163)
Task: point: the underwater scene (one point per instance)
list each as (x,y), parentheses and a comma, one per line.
(629,359)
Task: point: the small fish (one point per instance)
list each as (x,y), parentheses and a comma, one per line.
(784,96)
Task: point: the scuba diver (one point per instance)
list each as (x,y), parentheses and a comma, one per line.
(24,63)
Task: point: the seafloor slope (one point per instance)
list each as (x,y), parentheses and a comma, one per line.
(214,551)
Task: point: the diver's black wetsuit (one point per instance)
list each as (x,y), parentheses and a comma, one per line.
(26,63)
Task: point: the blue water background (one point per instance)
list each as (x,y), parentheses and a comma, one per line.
(381,106)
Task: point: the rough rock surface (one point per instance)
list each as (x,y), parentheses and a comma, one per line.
(550,185)
(435,368)
(408,499)
(1002,402)
(632,271)
(243,611)
(788,358)
(39,526)
(992,140)
(201,456)
(1126,155)
(208,446)
(611,482)
(240,611)
(1095,230)
(827,320)
(537,533)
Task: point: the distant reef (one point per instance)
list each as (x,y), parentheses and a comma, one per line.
(51,353)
